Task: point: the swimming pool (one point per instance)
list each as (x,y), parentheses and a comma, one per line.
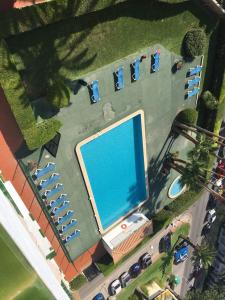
(176,188)
(114,168)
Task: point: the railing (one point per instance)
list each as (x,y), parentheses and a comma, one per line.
(43,207)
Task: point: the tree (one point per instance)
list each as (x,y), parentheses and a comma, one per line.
(193,174)
(206,295)
(210,102)
(194,42)
(202,255)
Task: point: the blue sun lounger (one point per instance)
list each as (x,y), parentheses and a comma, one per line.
(57,210)
(49,193)
(57,201)
(66,227)
(52,179)
(119,79)
(72,236)
(194,71)
(136,69)
(95,97)
(193,82)
(156,61)
(193,92)
(65,217)
(50,167)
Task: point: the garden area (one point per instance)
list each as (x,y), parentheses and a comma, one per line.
(50,58)
(18,281)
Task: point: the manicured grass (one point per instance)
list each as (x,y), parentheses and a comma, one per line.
(73,47)
(16,275)
(154,272)
(37,291)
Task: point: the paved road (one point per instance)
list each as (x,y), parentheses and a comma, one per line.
(100,284)
(198,212)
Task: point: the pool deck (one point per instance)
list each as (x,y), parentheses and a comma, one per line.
(160,95)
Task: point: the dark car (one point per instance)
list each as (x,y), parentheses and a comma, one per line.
(211,202)
(124,279)
(145,260)
(165,243)
(135,270)
(99,296)
(206,229)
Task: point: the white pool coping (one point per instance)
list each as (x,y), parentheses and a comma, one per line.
(85,174)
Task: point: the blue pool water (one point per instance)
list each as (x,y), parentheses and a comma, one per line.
(114,163)
(175,188)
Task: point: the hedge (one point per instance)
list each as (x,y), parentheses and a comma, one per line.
(174,209)
(35,134)
(77,282)
(16,21)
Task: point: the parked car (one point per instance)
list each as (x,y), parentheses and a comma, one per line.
(181,255)
(145,260)
(99,296)
(211,216)
(135,270)
(211,202)
(124,279)
(115,287)
(165,243)
(206,228)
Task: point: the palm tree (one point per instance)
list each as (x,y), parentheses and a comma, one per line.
(193,174)
(202,255)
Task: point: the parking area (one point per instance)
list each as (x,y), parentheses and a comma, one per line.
(101,284)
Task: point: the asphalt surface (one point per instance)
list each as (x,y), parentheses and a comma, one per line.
(198,213)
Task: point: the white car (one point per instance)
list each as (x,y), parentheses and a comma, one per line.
(211,216)
(115,287)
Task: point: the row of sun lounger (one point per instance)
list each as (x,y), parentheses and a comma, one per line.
(60,204)
(119,76)
(194,82)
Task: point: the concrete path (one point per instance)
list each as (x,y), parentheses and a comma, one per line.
(10,220)
(89,290)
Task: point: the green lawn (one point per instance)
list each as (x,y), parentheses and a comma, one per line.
(73,47)
(154,272)
(37,291)
(16,275)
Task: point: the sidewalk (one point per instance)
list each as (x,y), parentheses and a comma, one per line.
(90,289)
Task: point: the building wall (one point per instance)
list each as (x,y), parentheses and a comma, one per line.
(10,141)
(129,244)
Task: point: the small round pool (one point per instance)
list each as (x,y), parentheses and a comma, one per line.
(176,188)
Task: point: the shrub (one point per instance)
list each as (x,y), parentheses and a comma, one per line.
(210,102)
(188,116)
(51,255)
(40,133)
(194,42)
(77,282)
